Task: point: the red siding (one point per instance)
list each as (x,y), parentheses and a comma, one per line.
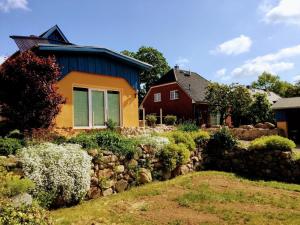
(182,107)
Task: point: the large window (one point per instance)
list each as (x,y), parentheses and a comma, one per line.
(157,97)
(92,108)
(215,118)
(174,95)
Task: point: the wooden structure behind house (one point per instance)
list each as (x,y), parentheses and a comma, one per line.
(98,84)
(181,93)
(287,112)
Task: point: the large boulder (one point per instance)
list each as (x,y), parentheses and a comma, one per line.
(121,185)
(22,199)
(144,176)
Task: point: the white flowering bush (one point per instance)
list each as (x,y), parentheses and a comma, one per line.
(61,173)
(156,142)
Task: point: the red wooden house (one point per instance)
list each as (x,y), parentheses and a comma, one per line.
(180,93)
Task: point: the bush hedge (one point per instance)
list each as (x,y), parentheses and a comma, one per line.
(151,120)
(116,143)
(25,215)
(185,138)
(220,142)
(174,155)
(170,119)
(273,142)
(201,138)
(9,146)
(61,173)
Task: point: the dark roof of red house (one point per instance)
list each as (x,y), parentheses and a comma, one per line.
(192,83)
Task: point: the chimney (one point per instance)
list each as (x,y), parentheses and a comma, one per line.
(176,67)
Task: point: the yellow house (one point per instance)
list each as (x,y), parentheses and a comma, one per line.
(98,84)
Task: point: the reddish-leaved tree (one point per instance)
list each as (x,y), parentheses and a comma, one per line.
(28,92)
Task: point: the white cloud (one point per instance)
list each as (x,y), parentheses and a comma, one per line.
(2,59)
(273,63)
(182,62)
(7,5)
(222,74)
(285,11)
(234,46)
(296,78)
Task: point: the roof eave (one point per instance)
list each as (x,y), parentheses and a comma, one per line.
(87,49)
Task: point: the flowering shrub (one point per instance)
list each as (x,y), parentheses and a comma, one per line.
(155,142)
(61,173)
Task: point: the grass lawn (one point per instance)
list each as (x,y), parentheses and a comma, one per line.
(197,198)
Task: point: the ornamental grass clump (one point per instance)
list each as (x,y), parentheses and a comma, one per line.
(273,142)
(61,173)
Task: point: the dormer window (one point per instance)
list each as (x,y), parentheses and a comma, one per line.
(157,97)
(174,95)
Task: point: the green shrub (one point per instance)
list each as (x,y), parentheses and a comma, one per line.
(111,125)
(201,138)
(9,146)
(170,119)
(174,155)
(185,138)
(220,142)
(151,120)
(116,143)
(61,173)
(273,142)
(188,126)
(60,140)
(12,185)
(87,141)
(25,215)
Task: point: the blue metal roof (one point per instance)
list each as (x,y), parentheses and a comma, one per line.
(94,50)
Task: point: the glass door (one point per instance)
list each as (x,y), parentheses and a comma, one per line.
(98,108)
(113,105)
(81,107)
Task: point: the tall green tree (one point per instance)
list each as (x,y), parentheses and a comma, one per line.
(260,109)
(156,59)
(240,101)
(269,82)
(218,98)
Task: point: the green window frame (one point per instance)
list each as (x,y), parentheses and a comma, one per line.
(81,107)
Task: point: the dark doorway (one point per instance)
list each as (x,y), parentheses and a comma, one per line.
(293,121)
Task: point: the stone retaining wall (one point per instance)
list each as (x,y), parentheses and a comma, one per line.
(269,165)
(249,134)
(111,173)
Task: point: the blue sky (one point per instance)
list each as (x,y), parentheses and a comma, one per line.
(223,40)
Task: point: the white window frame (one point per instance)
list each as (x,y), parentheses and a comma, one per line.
(157,97)
(91,107)
(174,94)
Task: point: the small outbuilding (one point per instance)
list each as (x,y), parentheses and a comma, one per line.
(287,111)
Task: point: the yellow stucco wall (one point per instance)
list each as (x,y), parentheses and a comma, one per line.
(128,96)
(283,125)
